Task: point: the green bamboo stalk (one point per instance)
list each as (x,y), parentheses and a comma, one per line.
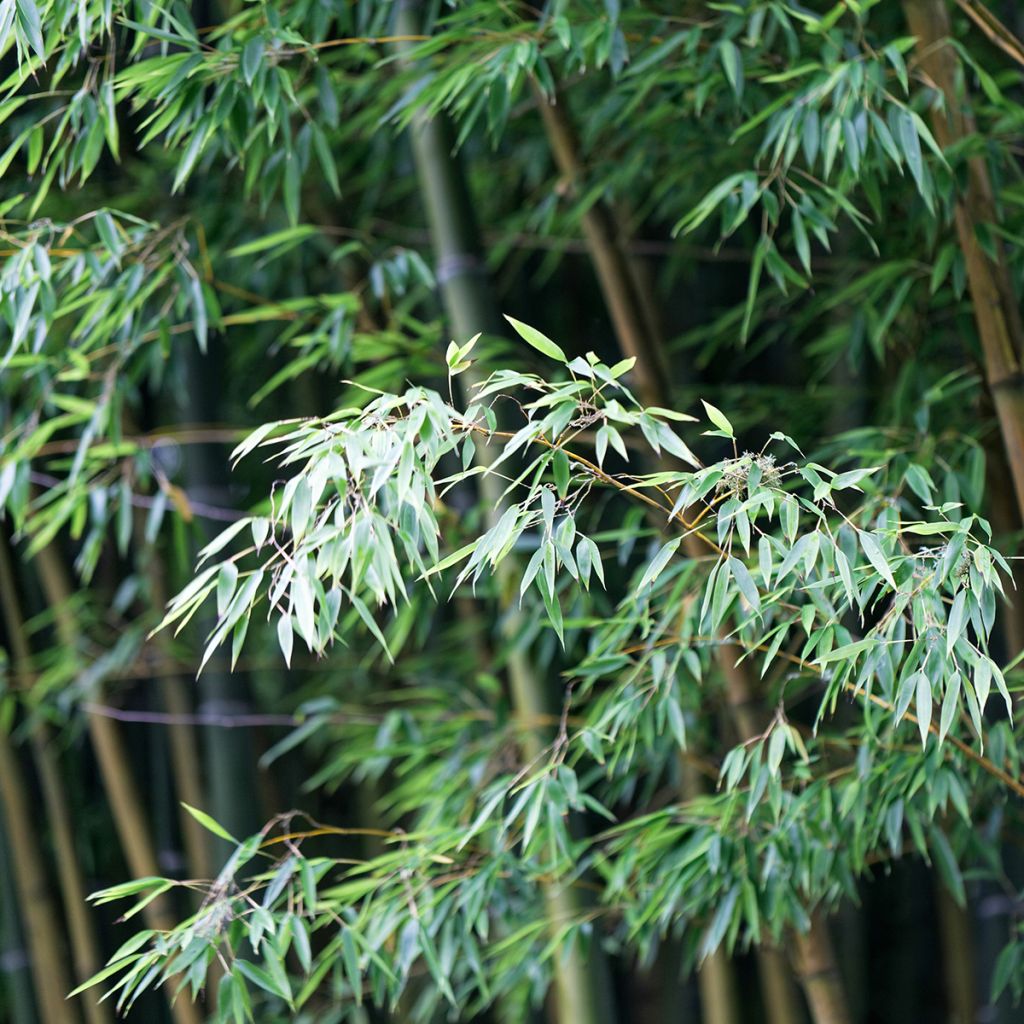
(85,950)
(619,279)
(15,962)
(582,989)
(781,998)
(184,747)
(816,966)
(995,306)
(229,757)
(1001,333)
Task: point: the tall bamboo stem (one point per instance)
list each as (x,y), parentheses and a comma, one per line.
(84,949)
(816,966)
(620,287)
(995,307)
(582,991)
(957,938)
(1001,333)
(716,976)
(229,758)
(781,998)
(15,960)
(184,747)
(115,770)
(618,279)
(996,311)
(48,960)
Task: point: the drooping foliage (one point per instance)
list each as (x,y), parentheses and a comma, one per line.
(560,672)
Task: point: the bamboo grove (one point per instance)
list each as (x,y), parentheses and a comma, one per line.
(510,511)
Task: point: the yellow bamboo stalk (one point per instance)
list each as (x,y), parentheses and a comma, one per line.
(996,309)
(48,959)
(115,770)
(84,947)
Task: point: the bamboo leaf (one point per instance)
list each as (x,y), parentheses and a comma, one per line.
(718,418)
(957,620)
(209,824)
(877,557)
(923,706)
(278,240)
(539,341)
(658,563)
(276,986)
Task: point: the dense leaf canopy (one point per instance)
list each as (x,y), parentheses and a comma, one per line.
(544,659)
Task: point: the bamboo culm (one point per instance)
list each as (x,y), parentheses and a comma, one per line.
(582,989)
(619,285)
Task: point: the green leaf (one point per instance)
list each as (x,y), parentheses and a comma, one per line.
(453,559)
(560,465)
(910,144)
(950,704)
(848,651)
(434,965)
(252,57)
(712,201)
(111,969)
(222,540)
(285,638)
(189,158)
(227,578)
(280,240)
(276,986)
(292,188)
(800,239)
(671,414)
(957,620)
(371,624)
(119,892)
(302,508)
(997,675)
(539,341)
(876,557)
(326,160)
(732,63)
(760,252)
(923,706)
(718,418)
(209,824)
(746,584)
(658,563)
(28,19)
(949,870)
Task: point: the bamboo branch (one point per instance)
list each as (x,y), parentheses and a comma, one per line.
(997,33)
(987,765)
